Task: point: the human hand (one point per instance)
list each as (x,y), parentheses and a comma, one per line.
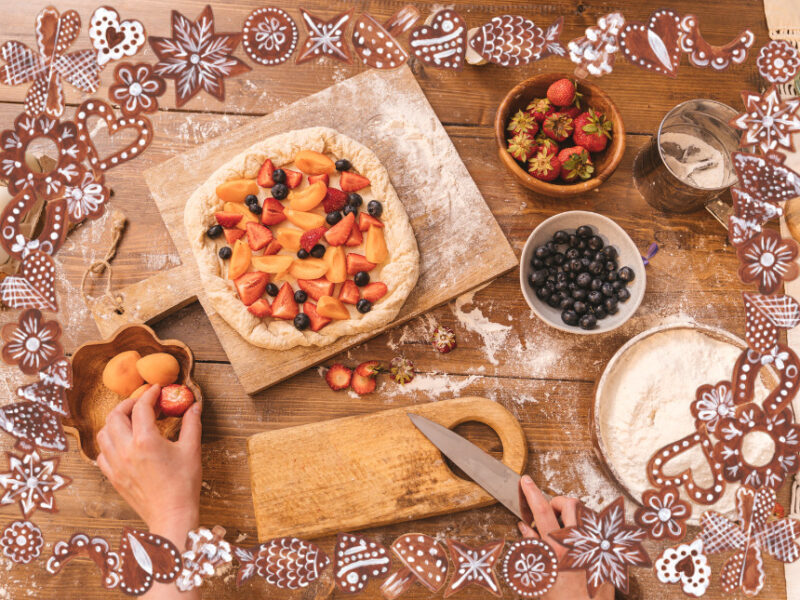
(570,585)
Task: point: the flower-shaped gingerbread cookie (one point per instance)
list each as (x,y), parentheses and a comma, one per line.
(768,260)
(712,403)
(778,61)
(31,343)
(21,541)
(87,197)
(136,88)
(685,564)
(663,514)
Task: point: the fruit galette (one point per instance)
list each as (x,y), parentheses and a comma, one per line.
(302,239)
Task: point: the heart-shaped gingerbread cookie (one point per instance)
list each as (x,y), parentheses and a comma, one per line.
(98,108)
(34,287)
(655,46)
(113,38)
(443,43)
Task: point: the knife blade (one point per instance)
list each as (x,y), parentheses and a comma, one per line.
(501,482)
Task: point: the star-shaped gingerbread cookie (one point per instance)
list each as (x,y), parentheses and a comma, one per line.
(768,122)
(325,38)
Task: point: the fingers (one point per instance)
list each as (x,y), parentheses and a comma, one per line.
(143,415)
(567,508)
(191,428)
(124,407)
(526,530)
(543,516)
(105,468)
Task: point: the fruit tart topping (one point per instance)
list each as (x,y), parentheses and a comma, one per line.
(310,268)
(375,249)
(316,288)
(265,177)
(350,209)
(575,163)
(251,286)
(317,251)
(561,92)
(365,221)
(540,109)
(231,235)
(214,231)
(374,291)
(301,322)
(258,236)
(272,248)
(354,199)
(352,182)
(272,289)
(317,321)
(375,209)
(324,178)
(302,254)
(260,308)
(236,190)
(293,178)
(300,296)
(333,217)
(358,262)
(364,306)
(240,259)
(304,220)
(279,191)
(356,237)
(522,122)
(443,339)
(251,199)
(337,264)
(592,130)
(361,278)
(311,237)
(338,234)
(228,219)
(558,126)
(349,293)
(363,385)
(521,147)
(338,377)
(284,306)
(272,264)
(371,368)
(332,308)
(313,163)
(225,252)
(334,200)
(272,212)
(240,209)
(343,165)
(278,176)
(402,370)
(308,198)
(175,400)
(289,238)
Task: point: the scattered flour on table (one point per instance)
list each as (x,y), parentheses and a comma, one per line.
(494,335)
(577,476)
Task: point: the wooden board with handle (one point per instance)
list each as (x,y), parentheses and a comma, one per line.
(461,244)
(366,471)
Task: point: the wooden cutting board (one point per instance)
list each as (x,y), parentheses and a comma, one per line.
(461,245)
(367,471)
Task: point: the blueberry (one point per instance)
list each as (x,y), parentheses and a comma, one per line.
(214,231)
(302,254)
(566,303)
(354,199)
(611,305)
(549,261)
(572,253)
(595,298)
(579,294)
(623,294)
(585,262)
(575,265)
(595,242)
(541,252)
(618,285)
(579,307)
(332,218)
(251,199)
(551,247)
(607,289)
(584,232)
(626,274)
(600,312)
(537,263)
(225,252)
(375,209)
(301,321)
(610,252)
(349,208)
(561,237)
(611,276)
(581,245)
(595,268)
(255,208)
(558,258)
(361,278)
(584,280)
(588,253)
(318,251)
(573,240)
(343,165)
(554,301)
(279,176)
(596,285)
(562,286)
(570,317)
(279,191)
(300,296)
(611,265)
(543,293)
(272,289)
(364,306)
(588,322)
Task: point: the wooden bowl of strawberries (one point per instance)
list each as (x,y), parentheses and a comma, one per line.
(559,137)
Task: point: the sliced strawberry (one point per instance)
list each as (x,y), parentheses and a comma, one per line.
(365,220)
(349,293)
(260,308)
(316,288)
(352,182)
(293,178)
(258,236)
(231,235)
(272,212)
(371,368)
(356,237)
(374,291)
(175,400)
(358,262)
(317,320)
(228,219)
(264,178)
(338,377)
(362,385)
(311,238)
(250,286)
(339,233)
(284,306)
(314,178)
(272,248)
(334,200)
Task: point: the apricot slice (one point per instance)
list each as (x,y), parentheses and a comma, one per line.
(304,220)
(120,374)
(375,249)
(272,264)
(241,209)
(240,259)
(337,264)
(159,368)
(140,390)
(314,163)
(289,238)
(310,268)
(236,190)
(332,308)
(309,197)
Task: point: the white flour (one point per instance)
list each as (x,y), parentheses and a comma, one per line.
(698,162)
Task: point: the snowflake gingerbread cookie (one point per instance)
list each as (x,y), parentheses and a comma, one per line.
(32,482)
(474,566)
(768,122)
(325,38)
(778,61)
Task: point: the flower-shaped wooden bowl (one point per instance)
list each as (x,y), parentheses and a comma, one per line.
(605,162)
(90,401)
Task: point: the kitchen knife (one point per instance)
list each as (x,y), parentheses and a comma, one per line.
(501,482)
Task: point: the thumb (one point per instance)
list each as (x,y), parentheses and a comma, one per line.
(191,427)
(144,415)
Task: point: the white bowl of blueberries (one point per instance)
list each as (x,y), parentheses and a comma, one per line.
(580,272)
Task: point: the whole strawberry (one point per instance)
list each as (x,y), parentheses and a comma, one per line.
(544,166)
(545,144)
(592,130)
(521,146)
(522,122)
(575,163)
(558,126)
(540,109)
(561,92)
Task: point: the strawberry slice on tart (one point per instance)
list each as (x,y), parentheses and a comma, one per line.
(339,233)
(251,286)
(260,308)
(284,305)
(349,293)
(374,291)
(272,212)
(316,288)
(258,236)
(352,182)
(228,219)
(317,321)
(358,262)
(264,177)
(365,221)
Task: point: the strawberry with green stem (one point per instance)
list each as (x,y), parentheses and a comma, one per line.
(540,109)
(521,146)
(575,164)
(544,165)
(592,130)
(558,126)
(522,122)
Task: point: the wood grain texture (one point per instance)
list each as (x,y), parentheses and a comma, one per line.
(544,377)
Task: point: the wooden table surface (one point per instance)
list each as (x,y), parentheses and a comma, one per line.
(543,376)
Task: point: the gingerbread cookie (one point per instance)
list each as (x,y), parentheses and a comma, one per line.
(513,40)
(136,89)
(357,561)
(325,38)
(21,542)
(424,562)
(474,566)
(768,260)
(35,285)
(686,565)
(441,43)
(768,122)
(206,551)
(50,390)
(766,178)
(113,38)
(377,44)
(145,558)
(31,482)
(594,53)
(530,568)
(96,549)
(287,563)
(269,35)
(31,343)
(702,54)
(656,45)
(140,125)
(663,514)
(778,61)
(764,315)
(53,231)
